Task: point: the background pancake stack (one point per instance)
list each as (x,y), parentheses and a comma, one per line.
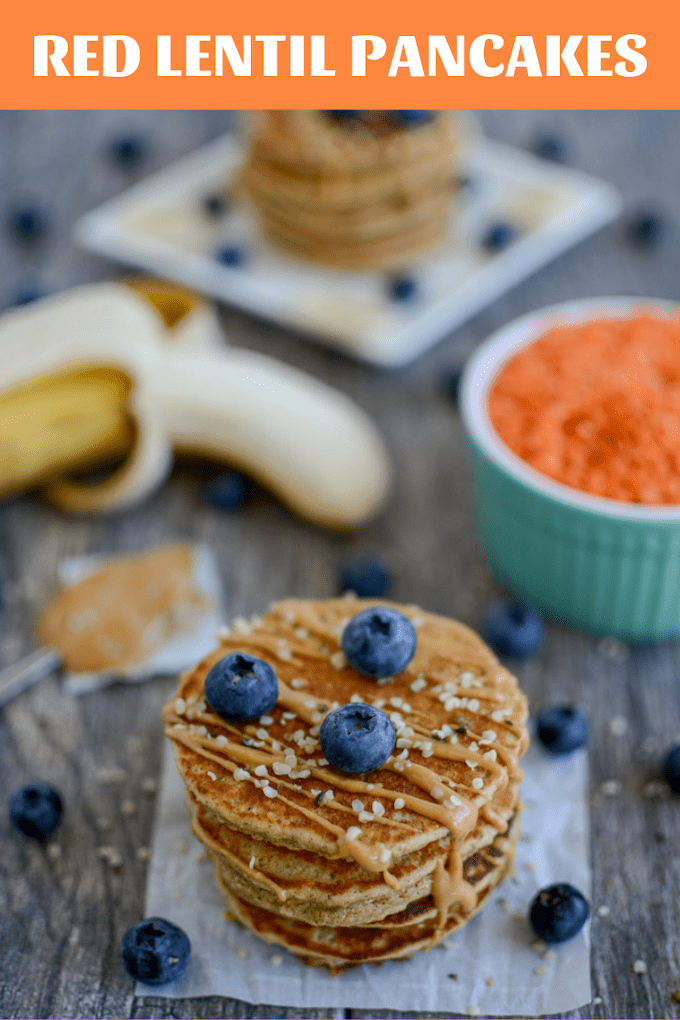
(358,192)
(348,869)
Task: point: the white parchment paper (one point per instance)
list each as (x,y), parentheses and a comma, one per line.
(493,966)
(182,651)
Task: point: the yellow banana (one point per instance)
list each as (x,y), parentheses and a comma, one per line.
(97,372)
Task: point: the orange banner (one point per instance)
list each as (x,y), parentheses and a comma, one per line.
(387,54)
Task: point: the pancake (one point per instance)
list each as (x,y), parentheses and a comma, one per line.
(358,193)
(343,869)
(391,251)
(398,937)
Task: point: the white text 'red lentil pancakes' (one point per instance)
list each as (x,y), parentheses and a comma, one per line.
(345,868)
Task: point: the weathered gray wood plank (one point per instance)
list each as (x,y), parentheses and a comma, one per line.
(213,1007)
(61,918)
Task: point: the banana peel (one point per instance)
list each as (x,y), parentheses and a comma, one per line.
(109,370)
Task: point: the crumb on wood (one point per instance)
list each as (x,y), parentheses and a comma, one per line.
(111,856)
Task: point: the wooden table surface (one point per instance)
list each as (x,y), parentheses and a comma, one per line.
(62,915)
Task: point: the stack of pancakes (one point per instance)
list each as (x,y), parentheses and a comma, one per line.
(357,193)
(345,869)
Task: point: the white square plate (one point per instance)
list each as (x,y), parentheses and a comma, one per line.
(161,226)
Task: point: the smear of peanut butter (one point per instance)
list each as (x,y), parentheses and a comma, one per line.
(123,613)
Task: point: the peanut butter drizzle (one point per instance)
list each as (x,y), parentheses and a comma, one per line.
(345,847)
(264,760)
(364,855)
(463,752)
(307,706)
(459,819)
(449,884)
(255,756)
(493,817)
(483,693)
(243,755)
(298,702)
(250,756)
(389,879)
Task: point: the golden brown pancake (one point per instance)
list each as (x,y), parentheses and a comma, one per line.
(364,193)
(343,869)
(398,937)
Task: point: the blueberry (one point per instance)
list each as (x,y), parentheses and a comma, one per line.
(403,288)
(464,182)
(379,642)
(357,738)
(562,729)
(27,296)
(645,229)
(128,151)
(513,629)
(155,951)
(367,576)
(558,912)
(241,687)
(450,384)
(231,255)
(550,147)
(499,236)
(409,118)
(226,491)
(36,810)
(27,224)
(671,769)
(215,206)
(342,115)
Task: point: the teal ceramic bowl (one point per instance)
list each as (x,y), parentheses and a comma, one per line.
(607,567)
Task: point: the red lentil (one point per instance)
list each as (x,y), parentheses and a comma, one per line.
(596,406)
